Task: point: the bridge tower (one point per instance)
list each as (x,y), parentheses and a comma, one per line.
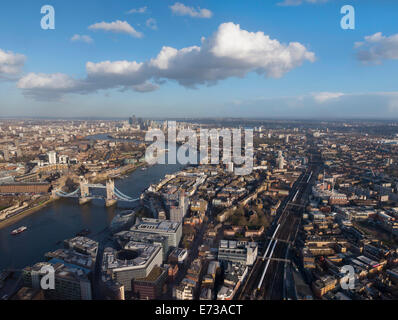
(110,193)
(84,191)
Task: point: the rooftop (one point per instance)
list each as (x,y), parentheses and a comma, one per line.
(156,225)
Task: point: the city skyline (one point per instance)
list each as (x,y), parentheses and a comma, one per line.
(179,59)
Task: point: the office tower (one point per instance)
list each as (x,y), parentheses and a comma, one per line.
(178,209)
(133,120)
(280,160)
(172,230)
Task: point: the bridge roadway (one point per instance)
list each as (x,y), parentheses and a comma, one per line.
(266,280)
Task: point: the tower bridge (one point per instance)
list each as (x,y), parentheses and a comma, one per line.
(83,192)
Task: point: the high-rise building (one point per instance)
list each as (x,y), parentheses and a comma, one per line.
(133,120)
(52,157)
(280,160)
(178,208)
(281,163)
(172,230)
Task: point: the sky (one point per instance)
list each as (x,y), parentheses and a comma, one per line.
(203,58)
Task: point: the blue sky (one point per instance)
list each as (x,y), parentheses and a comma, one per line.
(258,59)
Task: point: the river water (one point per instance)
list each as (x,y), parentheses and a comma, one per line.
(62,219)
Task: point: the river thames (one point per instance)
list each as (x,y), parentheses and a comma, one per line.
(64,218)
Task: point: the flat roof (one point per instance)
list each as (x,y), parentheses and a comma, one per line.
(156,225)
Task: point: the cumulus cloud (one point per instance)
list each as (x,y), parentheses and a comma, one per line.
(322,97)
(152,24)
(11,63)
(229,52)
(43,86)
(139,10)
(46,81)
(116,27)
(377,48)
(183,10)
(299,2)
(81,38)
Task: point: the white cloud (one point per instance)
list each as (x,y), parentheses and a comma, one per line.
(229,52)
(11,64)
(377,48)
(117,27)
(46,81)
(299,2)
(322,97)
(183,10)
(152,24)
(81,38)
(139,10)
(108,68)
(42,86)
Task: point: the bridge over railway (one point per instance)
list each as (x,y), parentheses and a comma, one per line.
(84,193)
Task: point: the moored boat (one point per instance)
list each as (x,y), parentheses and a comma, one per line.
(19,230)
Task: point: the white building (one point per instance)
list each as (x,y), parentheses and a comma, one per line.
(238,251)
(63,159)
(171,230)
(52,157)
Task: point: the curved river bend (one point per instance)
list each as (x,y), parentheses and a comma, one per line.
(62,219)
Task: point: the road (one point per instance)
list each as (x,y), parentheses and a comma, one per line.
(267,279)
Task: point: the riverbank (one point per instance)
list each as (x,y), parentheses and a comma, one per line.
(7,222)
(126,170)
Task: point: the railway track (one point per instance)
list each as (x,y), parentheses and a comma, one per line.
(267,278)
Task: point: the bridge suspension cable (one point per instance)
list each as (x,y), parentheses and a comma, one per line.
(124,197)
(63,194)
